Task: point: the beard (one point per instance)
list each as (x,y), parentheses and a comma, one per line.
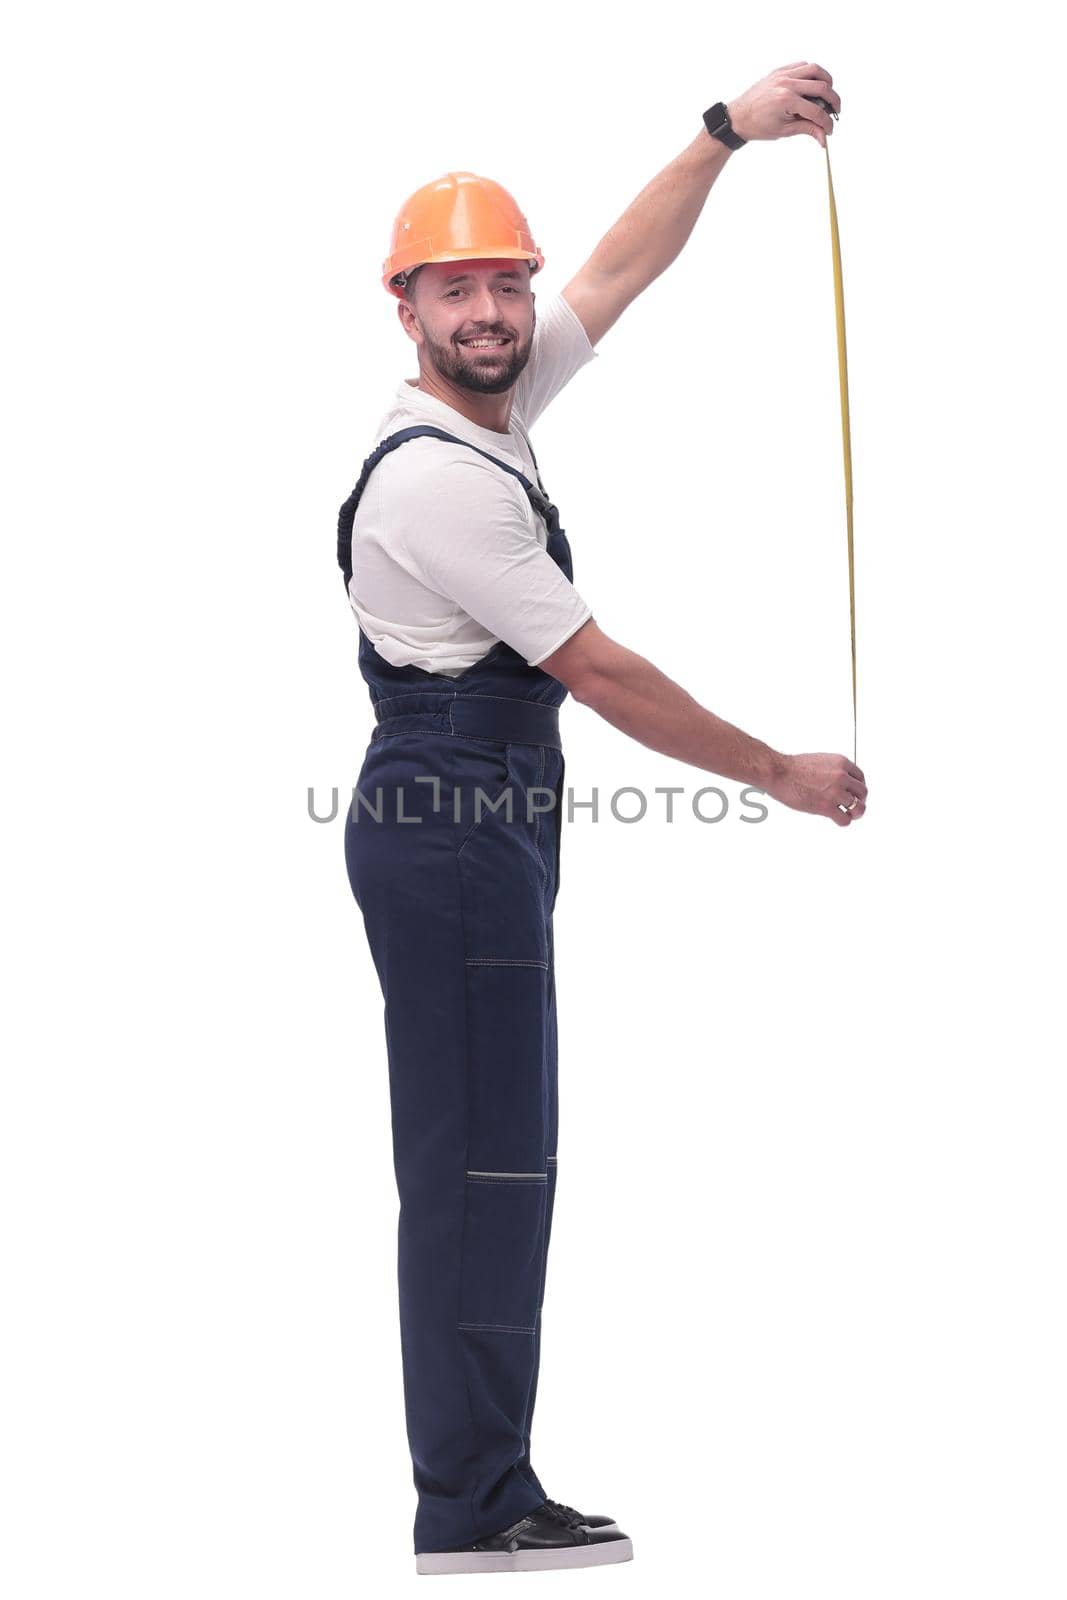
(481,371)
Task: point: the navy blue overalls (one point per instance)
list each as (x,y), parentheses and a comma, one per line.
(457,900)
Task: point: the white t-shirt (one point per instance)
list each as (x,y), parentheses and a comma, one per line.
(448,554)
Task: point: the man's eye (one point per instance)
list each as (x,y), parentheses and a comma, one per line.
(510,287)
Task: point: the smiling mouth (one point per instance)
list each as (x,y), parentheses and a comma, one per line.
(485,344)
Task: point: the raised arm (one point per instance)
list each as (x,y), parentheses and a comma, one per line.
(654,227)
(640,700)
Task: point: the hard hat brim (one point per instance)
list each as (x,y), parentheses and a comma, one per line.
(417,256)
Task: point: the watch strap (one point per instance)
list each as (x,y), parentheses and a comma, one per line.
(717,122)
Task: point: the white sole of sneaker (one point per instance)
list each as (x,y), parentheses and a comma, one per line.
(582,1555)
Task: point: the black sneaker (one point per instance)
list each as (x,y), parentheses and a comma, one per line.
(551,1536)
(581,1516)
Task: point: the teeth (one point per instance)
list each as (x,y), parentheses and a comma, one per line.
(478,344)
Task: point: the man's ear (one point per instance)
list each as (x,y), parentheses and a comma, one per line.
(408,327)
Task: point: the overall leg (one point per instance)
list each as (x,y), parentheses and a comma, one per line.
(552,1123)
(511,1031)
(459,949)
(548,841)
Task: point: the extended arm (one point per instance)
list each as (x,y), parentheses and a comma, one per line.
(640,700)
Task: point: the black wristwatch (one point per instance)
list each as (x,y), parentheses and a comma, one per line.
(717,122)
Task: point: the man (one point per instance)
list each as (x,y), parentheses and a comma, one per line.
(471,634)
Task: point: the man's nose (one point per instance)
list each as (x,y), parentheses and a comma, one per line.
(485,308)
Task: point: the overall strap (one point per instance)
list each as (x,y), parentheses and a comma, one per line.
(347,515)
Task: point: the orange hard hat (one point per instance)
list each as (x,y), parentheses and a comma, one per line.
(459,217)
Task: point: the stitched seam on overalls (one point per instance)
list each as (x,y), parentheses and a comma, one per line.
(503,961)
(443,733)
(509,698)
(493,1327)
(479,1172)
(504,1179)
(405,694)
(408,694)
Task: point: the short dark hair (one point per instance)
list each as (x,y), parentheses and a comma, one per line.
(410,279)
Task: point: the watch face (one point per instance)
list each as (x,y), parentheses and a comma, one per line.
(716,117)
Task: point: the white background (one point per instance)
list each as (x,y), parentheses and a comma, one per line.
(805,1325)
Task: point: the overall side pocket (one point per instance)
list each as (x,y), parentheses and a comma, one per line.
(486,787)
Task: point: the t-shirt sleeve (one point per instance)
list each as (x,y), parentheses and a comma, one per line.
(468,534)
(560,348)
